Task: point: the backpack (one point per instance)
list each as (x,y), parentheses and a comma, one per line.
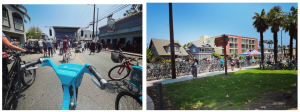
(232,64)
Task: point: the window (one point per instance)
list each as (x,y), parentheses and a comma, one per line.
(243,51)
(175,49)
(231,45)
(86,36)
(194,49)
(17,20)
(108,40)
(231,51)
(222,51)
(90,35)
(4,13)
(208,41)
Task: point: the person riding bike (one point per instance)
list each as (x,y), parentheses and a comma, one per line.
(6,43)
(65,46)
(268,61)
(222,62)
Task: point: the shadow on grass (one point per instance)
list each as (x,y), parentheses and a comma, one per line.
(233,93)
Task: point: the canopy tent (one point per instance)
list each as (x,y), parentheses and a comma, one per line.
(245,53)
(254,52)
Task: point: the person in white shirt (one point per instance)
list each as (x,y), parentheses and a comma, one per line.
(61,46)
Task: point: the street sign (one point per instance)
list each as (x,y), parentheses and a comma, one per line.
(223,41)
(220,41)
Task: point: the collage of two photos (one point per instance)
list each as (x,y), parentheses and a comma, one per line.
(72,56)
(198,56)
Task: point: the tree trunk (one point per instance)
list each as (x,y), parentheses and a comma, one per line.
(275,47)
(262,48)
(291,47)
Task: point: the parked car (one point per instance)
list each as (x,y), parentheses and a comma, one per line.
(35,46)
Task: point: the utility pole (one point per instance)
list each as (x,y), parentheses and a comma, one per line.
(93,22)
(97,23)
(172,41)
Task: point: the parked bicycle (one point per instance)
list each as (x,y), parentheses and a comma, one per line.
(127,100)
(15,77)
(119,72)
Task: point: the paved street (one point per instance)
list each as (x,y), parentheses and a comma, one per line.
(46,92)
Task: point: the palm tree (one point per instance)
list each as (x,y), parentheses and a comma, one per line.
(275,16)
(20,6)
(271,42)
(290,24)
(260,23)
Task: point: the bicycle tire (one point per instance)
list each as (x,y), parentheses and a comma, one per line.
(73,55)
(11,97)
(124,94)
(29,72)
(116,67)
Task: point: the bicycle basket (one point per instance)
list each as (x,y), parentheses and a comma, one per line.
(116,57)
(136,77)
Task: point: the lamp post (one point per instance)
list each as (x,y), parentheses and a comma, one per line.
(281,47)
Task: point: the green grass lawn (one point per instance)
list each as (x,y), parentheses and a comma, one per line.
(231,93)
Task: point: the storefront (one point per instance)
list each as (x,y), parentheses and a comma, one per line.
(126,34)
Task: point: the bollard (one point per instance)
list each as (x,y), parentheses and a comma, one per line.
(159,92)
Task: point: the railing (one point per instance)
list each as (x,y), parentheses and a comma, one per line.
(158,71)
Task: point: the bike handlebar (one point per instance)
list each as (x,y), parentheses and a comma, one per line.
(102,81)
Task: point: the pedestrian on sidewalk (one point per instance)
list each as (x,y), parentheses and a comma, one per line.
(232,65)
(49,43)
(194,68)
(45,47)
(238,63)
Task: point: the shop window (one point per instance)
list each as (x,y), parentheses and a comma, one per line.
(4,12)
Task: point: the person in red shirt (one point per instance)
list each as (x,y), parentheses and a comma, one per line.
(65,46)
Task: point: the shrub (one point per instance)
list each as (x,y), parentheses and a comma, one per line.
(159,59)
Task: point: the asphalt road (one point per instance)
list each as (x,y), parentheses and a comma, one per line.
(46,92)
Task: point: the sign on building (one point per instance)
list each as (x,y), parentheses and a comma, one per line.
(110,24)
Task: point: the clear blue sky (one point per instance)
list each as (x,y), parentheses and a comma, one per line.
(192,20)
(75,15)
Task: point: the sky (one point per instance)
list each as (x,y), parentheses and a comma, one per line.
(192,20)
(75,15)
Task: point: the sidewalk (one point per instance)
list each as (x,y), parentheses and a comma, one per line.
(189,76)
(150,104)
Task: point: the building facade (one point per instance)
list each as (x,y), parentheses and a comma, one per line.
(127,32)
(200,51)
(87,35)
(161,48)
(13,23)
(236,44)
(44,36)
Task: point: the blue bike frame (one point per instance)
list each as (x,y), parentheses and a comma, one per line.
(69,74)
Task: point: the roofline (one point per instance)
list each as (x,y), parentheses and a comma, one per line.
(16,8)
(240,36)
(124,18)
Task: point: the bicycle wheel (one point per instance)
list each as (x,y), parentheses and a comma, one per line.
(118,72)
(28,77)
(72,55)
(10,105)
(128,101)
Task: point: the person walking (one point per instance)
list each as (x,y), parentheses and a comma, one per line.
(45,46)
(238,63)
(85,45)
(194,68)
(232,65)
(61,47)
(92,48)
(49,44)
(82,46)
(101,46)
